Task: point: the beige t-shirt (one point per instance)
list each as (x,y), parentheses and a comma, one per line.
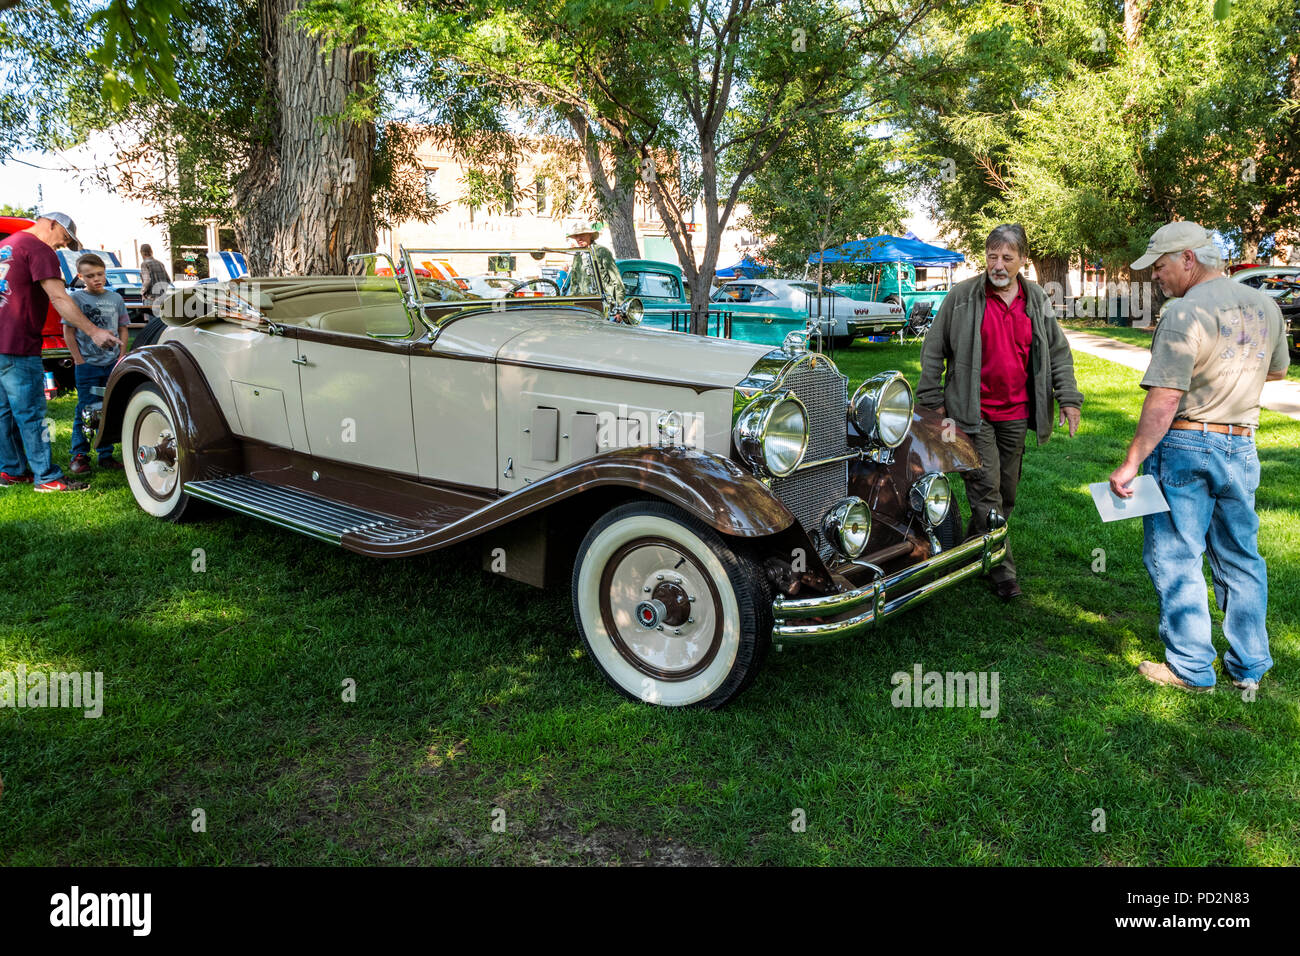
(1218,343)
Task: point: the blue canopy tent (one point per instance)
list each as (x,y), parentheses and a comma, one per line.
(884,249)
(746,268)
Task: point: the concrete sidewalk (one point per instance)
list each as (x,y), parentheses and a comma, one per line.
(1283,396)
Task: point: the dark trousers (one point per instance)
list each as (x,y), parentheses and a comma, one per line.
(1002,450)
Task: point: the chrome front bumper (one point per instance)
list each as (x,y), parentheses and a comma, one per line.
(888,596)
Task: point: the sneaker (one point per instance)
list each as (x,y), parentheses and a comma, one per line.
(1245,684)
(62,484)
(110,464)
(8,479)
(80,465)
(1161,674)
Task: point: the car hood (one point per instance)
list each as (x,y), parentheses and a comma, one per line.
(603,347)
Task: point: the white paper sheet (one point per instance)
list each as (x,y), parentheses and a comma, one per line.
(1146,500)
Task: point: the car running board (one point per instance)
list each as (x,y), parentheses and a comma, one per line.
(299,511)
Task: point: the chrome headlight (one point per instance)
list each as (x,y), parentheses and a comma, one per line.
(882,408)
(930,497)
(847,526)
(772,433)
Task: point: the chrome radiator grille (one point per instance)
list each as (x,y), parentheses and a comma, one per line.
(810,492)
(825,393)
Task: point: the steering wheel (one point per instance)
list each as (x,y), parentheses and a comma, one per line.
(514,289)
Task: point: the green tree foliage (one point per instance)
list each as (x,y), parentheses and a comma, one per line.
(692,96)
(1094,123)
(830,182)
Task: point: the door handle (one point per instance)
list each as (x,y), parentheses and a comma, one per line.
(300,360)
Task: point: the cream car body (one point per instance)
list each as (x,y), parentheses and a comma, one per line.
(702,498)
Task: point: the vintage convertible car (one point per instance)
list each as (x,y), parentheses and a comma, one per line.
(702,499)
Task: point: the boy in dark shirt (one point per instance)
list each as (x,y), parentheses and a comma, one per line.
(105,308)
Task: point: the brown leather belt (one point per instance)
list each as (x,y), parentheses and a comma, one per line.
(1184,424)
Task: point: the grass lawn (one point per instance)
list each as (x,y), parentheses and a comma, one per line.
(474,703)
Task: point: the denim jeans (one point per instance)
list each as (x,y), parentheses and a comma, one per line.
(25,438)
(88,377)
(1209,481)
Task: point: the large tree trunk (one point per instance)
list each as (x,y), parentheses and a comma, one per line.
(305,200)
(1054,276)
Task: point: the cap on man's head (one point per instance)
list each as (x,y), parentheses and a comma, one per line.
(1175,237)
(66,222)
(583,228)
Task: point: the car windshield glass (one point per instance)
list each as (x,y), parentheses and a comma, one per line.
(448,276)
(652,285)
(124,276)
(735,292)
(811,289)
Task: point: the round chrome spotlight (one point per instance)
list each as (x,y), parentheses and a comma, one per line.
(847,526)
(931,497)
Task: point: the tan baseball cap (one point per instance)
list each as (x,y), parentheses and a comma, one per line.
(1175,237)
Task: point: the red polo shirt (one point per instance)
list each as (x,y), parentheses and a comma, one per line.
(1005,336)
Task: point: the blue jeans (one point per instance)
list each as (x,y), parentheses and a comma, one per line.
(1209,481)
(25,436)
(88,377)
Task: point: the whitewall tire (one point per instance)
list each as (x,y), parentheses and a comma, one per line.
(671,613)
(152,455)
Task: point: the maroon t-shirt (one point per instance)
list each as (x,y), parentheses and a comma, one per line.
(24,262)
(1005,336)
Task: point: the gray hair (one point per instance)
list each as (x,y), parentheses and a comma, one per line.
(1209,256)
(1009,234)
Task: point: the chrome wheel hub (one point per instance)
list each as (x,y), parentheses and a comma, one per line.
(662,609)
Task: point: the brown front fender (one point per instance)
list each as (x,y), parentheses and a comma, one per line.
(203,432)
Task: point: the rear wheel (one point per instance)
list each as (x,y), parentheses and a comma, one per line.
(671,613)
(155,462)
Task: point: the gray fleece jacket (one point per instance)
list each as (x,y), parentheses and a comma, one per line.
(954,340)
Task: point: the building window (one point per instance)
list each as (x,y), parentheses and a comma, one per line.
(508,187)
(540,190)
(431,186)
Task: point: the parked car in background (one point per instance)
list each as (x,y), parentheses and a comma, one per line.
(766,310)
(700,499)
(129,284)
(896,282)
(1274,281)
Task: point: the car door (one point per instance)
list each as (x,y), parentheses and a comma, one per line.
(355,372)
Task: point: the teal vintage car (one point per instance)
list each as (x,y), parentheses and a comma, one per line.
(756,310)
(894,282)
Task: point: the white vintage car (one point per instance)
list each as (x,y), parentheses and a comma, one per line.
(702,499)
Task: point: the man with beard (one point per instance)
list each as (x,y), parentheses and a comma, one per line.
(993,362)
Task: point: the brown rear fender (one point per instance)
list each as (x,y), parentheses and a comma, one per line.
(203,430)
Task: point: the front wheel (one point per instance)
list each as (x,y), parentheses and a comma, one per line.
(671,613)
(156,464)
